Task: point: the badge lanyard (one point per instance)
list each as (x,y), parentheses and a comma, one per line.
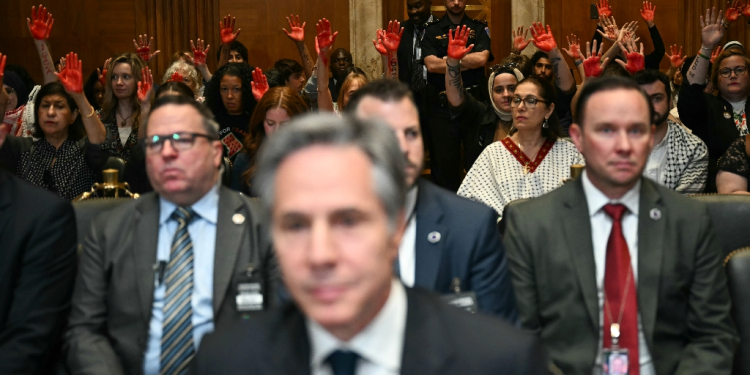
(614,328)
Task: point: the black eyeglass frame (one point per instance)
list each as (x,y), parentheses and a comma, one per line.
(155,143)
(525,101)
(738,71)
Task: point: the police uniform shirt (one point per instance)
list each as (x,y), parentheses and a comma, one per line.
(435,43)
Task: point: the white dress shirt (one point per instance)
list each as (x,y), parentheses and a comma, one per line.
(202,231)
(407,249)
(657,160)
(601,226)
(379,345)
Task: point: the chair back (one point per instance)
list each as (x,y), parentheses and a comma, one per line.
(87,210)
(730,214)
(737,265)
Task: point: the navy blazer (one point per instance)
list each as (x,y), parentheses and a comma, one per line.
(468,247)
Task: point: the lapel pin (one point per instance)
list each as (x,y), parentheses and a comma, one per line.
(238,219)
(727,115)
(433,237)
(655,214)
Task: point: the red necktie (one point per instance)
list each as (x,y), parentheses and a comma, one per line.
(621,302)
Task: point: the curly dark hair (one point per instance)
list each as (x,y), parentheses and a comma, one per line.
(213,88)
(75,130)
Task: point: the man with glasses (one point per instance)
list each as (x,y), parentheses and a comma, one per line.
(158,273)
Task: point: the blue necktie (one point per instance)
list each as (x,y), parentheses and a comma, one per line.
(177,348)
(343,362)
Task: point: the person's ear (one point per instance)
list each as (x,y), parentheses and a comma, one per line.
(73,116)
(576,135)
(550,110)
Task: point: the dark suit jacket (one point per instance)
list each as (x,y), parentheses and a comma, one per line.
(683,299)
(469,249)
(406,52)
(113,297)
(439,339)
(37,270)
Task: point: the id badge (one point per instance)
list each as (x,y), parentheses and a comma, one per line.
(615,361)
(465,300)
(249,291)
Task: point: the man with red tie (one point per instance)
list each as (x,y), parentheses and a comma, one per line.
(614,267)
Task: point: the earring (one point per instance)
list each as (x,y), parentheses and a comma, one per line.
(545,124)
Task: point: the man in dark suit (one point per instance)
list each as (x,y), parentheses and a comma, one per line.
(37,271)
(614,261)
(450,242)
(411,70)
(158,273)
(335,189)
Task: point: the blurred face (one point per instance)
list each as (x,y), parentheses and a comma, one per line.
(340,62)
(543,69)
(99,93)
(615,139)
(275,117)
(503,89)
(353,87)
(231,94)
(455,7)
(657,93)
(55,116)
(123,81)
(181,176)
(734,85)
(12,98)
(403,118)
(186,79)
(296,81)
(235,57)
(525,118)
(418,10)
(332,240)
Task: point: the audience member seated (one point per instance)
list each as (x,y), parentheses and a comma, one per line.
(679,159)
(277,106)
(229,96)
(188,75)
(292,73)
(530,162)
(594,261)
(335,189)
(734,168)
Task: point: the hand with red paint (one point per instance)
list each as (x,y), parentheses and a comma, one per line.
(746,9)
(716,53)
(144,49)
(733,11)
(199,53)
(103,72)
(176,77)
(457,40)
(593,65)
(146,84)
(297,33)
(636,60)
(72,76)
(324,38)
(676,59)
(392,36)
(574,46)
(227,30)
(40,24)
(610,32)
(544,41)
(3,95)
(259,84)
(519,40)
(647,13)
(604,9)
(378,42)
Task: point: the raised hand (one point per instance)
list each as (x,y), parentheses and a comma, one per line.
(61,65)
(72,76)
(711,28)
(628,32)
(145,86)
(611,32)
(716,53)
(3,95)
(636,60)
(457,48)
(144,49)
(259,84)
(733,11)
(647,12)
(297,33)
(574,50)
(746,9)
(103,72)
(675,58)
(227,30)
(378,42)
(604,9)
(40,24)
(176,77)
(544,41)
(519,39)
(199,53)
(592,65)
(324,38)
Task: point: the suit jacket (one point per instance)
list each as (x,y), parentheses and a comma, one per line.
(469,248)
(406,52)
(439,339)
(113,297)
(683,299)
(37,271)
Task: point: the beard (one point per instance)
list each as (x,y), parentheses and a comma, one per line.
(659,118)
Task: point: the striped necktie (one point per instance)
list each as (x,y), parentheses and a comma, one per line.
(177,349)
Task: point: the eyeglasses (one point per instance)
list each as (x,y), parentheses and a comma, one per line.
(509,65)
(529,101)
(9,90)
(738,71)
(180,141)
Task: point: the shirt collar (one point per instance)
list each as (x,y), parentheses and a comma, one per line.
(207,207)
(663,142)
(596,199)
(381,342)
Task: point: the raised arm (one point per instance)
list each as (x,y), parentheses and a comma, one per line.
(227,37)
(545,41)
(40,26)
(574,51)
(676,59)
(457,50)
(323,42)
(520,41)
(72,78)
(711,33)
(259,84)
(636,60)
(297,35)
(199,58)
(144,49)
(387,44)
(145,89)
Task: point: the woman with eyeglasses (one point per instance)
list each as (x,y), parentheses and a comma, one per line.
(717,120)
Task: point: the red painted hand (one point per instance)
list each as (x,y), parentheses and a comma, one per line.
(519,39)
(227,30)
(733,11)
(259,84)
(592,65)
(604,9)
(647,12)
(457,40)
(72,77)
(40,24)
(674,59)
(324,37)
(176,77)
(378,42)
(746,10)
(575,48)
(297,32)
(543,40)
(636,60)
(144,49)
(3,95)
(199,53)
(103,72)
(716,53)
(147,83)
(392,36)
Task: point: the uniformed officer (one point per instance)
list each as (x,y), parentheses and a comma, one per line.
(445,150)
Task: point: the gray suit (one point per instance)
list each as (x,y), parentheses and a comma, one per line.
(112,301)
(683,299)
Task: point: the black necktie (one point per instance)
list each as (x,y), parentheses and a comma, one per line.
(343,362)
(417,77)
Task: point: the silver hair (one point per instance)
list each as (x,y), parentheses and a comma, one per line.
(372,137)
(191,72)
